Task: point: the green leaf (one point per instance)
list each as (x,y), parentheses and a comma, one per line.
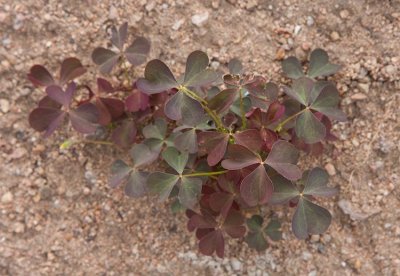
(190,191)
(119,172)
(196,73)
(175,159)
(181,105)
(177,207)
(156,130)
(235,66)
(256,237)
(320,65)
(309,128)
(138,51)
(301,90)
(142,154)
(327,103)
(162,184)
(256,188)
(310,219)
(273,230)
(292,68)
(105,58)
(187,141)
(136,184)
(158,78)
(284,190)
(316,184)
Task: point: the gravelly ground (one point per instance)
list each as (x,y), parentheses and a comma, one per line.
(57,216)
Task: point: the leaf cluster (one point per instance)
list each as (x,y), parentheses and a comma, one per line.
(226,145)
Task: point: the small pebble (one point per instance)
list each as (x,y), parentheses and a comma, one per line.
(335,36)
(7,197)
(310,21)
(358,97)
(364,87)
(236,264)
(200,19)
(177,24)
(344,14)
(330,169)
(280,54)
(4,105)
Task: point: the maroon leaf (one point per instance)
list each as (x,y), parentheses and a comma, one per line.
(39,76)
(256,188)
(84,117)
(125,135)
(249,138)
(104,85)
(239,157)
(57,94)
(71,68)
(233,224)
(137,101)
(46,119)
(215,144)
(213,241)
(283,158)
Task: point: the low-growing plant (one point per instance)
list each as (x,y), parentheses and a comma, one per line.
(226,146)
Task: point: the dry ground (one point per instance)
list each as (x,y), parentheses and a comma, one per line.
(57,215)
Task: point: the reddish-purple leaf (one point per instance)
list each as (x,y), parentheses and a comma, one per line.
(57,94)
(46,101)
(233,224)
(46,119)
(125,134)
(39,76)
(215,144)
(104,85)
(221,202)
(137,101)
(283,158)
(83,118)
(115,107)
(221,102)
(158,78)
(249,138)
(239,157)
(213,241)
(71,68)
(256,188)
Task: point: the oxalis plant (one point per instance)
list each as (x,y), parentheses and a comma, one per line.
(225,147)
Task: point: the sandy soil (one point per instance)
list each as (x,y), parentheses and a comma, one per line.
(57,215)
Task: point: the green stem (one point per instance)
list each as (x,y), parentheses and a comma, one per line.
(205,173)
(204,104)
(242,113)
(279,127)
(98,142)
